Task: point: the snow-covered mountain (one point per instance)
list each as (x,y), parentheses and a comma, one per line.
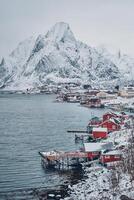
(56,57)
(124,62)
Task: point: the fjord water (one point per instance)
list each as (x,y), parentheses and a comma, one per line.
(33,123)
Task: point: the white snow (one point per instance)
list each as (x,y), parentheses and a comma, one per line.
(90,147)
(99,129)
(98,185)
(56,57)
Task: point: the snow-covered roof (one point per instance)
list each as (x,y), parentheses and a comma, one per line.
(111,113)
(116,121)
(114,152)
(100,129)
(90,147)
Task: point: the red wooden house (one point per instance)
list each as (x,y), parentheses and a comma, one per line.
(94,102)
(111,156)
(120,116)
(109,115)
(111,124)
(99,132)
(95,121)
(94,149)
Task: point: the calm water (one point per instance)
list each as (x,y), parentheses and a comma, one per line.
(33,123)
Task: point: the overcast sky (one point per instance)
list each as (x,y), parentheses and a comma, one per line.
(96,22)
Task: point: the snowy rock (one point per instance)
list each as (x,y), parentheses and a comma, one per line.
(124,197)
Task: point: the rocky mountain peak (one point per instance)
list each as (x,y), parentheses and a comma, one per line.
(57,57)
(2,62)
(60,32)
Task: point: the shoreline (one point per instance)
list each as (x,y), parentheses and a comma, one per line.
(42,193)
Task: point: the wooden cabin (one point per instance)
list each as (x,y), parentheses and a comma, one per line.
(110,156)
(127,92)
(95,121)
(119,117)
(111,125)
(93,149)
(106,95)
(99,132)
(109,115)
(94,102)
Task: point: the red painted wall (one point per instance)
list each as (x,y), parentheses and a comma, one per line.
(107,117)
(111,126)
(109,158)
(92,155)
(97,134)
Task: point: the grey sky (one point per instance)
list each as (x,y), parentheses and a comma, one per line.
(96,22)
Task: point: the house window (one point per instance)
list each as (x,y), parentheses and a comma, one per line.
(94,153)
(114,127)
(108,157)
(117,157)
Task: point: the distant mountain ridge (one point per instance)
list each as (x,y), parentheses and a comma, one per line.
(57,57)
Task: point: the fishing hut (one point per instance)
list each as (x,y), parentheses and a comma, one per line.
(62,160)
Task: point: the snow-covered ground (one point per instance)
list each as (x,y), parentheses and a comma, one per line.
(99,184)
(119,100)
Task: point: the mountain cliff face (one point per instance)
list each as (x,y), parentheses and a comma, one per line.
(124,62)
(55,57)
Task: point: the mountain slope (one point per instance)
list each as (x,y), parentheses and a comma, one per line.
(55,57)
(124,62)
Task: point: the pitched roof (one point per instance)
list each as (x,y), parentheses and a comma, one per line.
(100,129)
(111,113)
(115,121)
(92,147)
(113,152)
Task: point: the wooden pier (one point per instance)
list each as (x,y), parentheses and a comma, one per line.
(77,131)
(59,159)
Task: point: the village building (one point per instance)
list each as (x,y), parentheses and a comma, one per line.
(94,102)
(84,98)
(93,150)
(119,116)
(111,124)
(92,92)
(109,115)
(110,156)
(95,121)
(127,92)
(105,95)
(99,132)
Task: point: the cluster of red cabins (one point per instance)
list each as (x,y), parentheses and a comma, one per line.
(103,151)
(99,129)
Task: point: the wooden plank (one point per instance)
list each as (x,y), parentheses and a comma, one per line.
(59,156)
(77,131)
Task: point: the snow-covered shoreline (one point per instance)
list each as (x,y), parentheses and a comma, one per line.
(99,185)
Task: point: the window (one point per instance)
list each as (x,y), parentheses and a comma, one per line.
(114,127)
(117,157)
(107,157)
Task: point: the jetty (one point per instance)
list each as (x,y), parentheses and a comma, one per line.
(61,159)
(77,131)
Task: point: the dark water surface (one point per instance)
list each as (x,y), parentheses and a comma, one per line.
(33,123)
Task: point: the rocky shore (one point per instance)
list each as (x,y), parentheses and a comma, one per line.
(56,193)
